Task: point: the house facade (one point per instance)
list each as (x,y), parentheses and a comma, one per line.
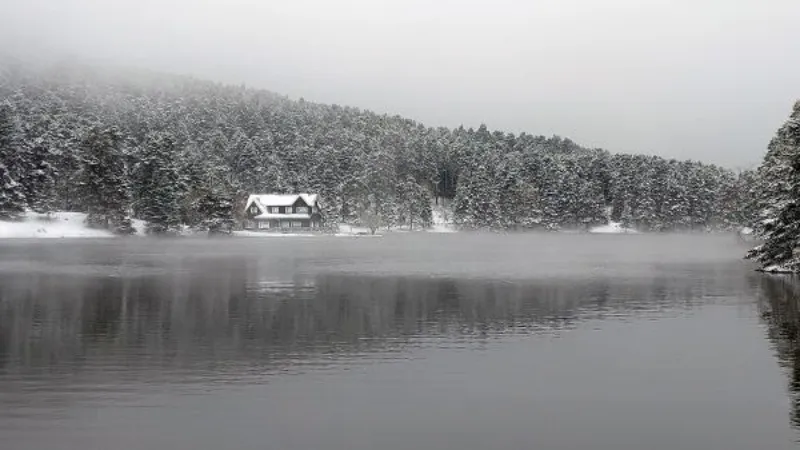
(279,212)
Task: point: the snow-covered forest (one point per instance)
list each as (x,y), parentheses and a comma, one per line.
(175,151)
(778,200)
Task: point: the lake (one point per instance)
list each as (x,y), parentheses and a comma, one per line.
(410,341)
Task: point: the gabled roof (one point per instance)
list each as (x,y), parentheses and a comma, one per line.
(265,200)
(310,199)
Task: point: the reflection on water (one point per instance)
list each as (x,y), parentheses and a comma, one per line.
(780,309)
(165,344)
(226,311)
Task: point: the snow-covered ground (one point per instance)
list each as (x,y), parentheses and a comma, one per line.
(349,231)
(267,234)
(140,226)
(346,229)
(612,228)
(57,225)
(775,268)
(442,220)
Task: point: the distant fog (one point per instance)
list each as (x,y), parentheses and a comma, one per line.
(707,80)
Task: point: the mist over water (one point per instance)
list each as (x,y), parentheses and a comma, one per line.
(409,341)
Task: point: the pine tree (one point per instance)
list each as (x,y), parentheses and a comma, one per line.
(12,192)
(103,183)
(39,180)
(376,193)
(157,181)
(774,175)
(12,200)
(217,209)
(782,233)
(476,202)
(414,203)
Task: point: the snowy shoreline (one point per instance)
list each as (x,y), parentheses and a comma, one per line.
(612,228)
(55,225)
(72,225)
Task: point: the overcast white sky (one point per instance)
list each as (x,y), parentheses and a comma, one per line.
(700,79)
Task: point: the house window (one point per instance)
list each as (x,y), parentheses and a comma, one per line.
(263,224)
(254,210)
(301,209)
(274,209)
(297,224)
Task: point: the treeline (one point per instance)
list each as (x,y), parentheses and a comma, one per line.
(177,151)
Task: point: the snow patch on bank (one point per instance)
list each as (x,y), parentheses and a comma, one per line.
(442,220)
(345,229)
(56,225)
(140,226)
(612,228)
(777,268)
(267,234)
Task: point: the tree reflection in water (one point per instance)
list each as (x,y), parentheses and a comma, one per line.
(780,309)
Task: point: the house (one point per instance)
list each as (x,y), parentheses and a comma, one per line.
(282,212)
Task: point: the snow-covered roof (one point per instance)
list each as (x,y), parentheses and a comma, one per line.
(297,216)
(265,200)
(310,199)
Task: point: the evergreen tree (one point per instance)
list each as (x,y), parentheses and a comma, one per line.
(103,184)
(216,208)
(39,179)
(376,193)
(157,184)
(782,233)
(12,192)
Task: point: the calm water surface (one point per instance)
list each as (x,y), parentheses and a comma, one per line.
(402,342)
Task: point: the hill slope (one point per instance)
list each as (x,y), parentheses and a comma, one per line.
(215,143)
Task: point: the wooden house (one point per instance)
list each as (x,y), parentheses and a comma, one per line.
(282,212)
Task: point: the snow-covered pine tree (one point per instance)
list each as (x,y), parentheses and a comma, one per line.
(404,193)
(39,179)
(781,233)
(12,200)
(746,198)
(103,183)
(157,184)
(216,208)
(590,208)
(12,192)
(193,181)
(415,204)
(216,200)
(773,177)
(423,209)
(377,194)
(525,212)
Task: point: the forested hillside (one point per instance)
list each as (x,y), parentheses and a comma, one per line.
(778,200)
(173,150)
